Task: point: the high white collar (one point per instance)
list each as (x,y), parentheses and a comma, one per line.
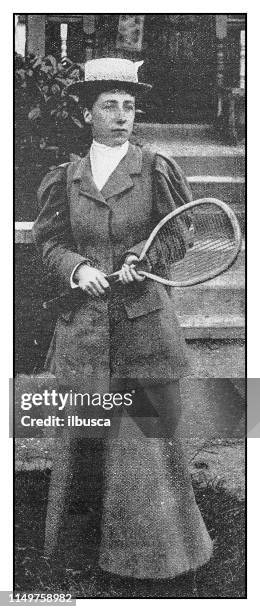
(99,147)
(104,160)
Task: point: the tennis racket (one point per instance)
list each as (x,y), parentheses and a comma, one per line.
(193,244)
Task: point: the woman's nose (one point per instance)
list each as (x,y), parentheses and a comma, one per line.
(120,116)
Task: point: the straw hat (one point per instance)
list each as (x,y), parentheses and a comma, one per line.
(109,73)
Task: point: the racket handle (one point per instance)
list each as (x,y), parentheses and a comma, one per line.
(76,296)
(64,300)
(140,266)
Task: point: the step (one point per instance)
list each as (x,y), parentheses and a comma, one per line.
(212,327)
(223,358)
(229,189)
(188,134)
(185,139)
(168,131)
(228,165)
(210,300)
(222,296)
(195,148)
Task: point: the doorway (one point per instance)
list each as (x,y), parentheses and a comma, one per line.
(180,63)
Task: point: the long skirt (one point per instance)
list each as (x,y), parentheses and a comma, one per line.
(151,525)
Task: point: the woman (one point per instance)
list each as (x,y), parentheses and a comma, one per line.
(96,215)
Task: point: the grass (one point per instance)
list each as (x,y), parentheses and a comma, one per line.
(76,571)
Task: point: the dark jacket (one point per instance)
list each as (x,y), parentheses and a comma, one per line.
(135,333)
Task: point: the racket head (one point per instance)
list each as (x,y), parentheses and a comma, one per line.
(196,243)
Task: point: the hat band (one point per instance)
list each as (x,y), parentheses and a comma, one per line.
(123,78)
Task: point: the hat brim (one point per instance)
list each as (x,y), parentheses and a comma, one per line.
(84,88)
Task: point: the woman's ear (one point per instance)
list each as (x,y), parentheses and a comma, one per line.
(87,115)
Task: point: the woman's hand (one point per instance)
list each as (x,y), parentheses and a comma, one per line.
(91,280)
(128,273)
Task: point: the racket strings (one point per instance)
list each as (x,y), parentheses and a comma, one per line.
(171,240)
(185,253)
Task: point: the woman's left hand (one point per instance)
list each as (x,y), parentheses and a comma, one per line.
(128,272)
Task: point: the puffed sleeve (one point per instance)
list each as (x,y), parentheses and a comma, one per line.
(171,188)
(170,191)
(52,231)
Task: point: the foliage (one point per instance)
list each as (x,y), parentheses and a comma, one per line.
(48,119)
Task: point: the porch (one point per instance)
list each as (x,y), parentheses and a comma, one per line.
(195,62)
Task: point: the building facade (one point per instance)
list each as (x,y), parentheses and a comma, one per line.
(190,59)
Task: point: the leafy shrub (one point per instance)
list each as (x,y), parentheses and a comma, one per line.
(47,117)
(49,125)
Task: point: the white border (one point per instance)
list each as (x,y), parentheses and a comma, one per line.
(253,273)
(6,304)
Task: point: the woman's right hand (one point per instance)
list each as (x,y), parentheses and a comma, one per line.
(91,280)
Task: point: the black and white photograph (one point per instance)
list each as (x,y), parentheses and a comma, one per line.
(129,412)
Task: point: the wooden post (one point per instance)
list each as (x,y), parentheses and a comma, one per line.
(63,35)
(20,35)
(89,29)
(221,33)
(242,59)
(36,34)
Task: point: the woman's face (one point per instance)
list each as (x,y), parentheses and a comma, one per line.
(112,117)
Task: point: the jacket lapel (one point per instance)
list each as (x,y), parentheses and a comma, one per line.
(119,181)
(87,185)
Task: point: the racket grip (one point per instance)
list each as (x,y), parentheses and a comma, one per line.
(140,266)
(143,266)
(76,296)
(65,300)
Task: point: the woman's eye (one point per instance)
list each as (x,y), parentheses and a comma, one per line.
(112,107)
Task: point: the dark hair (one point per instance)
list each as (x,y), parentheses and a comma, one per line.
(88,99)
